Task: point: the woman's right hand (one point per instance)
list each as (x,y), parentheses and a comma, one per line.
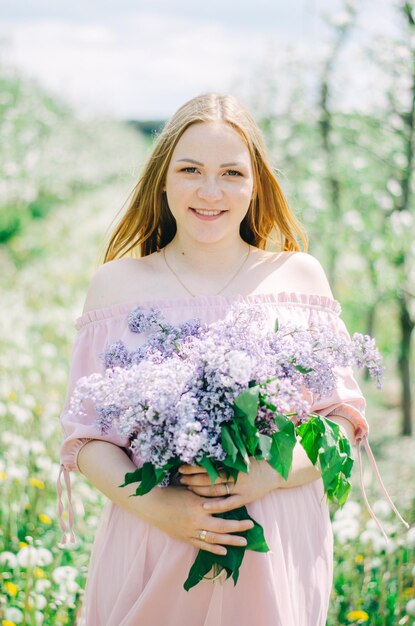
(180,513)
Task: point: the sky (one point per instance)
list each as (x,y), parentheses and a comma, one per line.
(142,59)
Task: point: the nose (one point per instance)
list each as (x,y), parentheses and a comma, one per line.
(210,190)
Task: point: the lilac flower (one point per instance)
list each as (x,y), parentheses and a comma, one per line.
(366,355)
(107,415)
(116,354)
(141,320)
(172,395)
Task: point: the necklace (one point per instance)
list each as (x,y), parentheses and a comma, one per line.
(220,290)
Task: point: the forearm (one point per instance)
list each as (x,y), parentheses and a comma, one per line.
(105,466)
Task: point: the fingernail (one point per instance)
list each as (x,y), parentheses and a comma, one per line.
(207,505)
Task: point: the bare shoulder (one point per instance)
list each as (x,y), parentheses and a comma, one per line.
(117,281)
(305,273)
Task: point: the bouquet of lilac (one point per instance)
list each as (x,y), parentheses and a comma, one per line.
(219,395)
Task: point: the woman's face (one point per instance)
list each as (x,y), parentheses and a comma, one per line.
(209,182)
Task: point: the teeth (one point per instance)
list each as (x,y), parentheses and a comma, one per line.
(202,212)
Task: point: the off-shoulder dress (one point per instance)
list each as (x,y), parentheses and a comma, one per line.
(136,571)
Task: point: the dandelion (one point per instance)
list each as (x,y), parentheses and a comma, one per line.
(8,559)
(410,538)
(39,573)
(11,589)
(357,616)
(14,615)
(38,600)
(44,556)
(63,574)
(410,607)
(35,482)
(27,556)
(3,475)
(42,585)
(45,519)
(359,558)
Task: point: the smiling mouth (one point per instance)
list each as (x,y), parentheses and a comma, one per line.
(207,212)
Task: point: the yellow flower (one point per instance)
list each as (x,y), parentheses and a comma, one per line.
(12,396)
(359,558)
(3,475)
(45,519)
(35,482)
(11,588)
(409,591)
(39,573)
(23,544)
(355,616)
(7,622)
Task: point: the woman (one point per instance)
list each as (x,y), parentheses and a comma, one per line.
(203,212)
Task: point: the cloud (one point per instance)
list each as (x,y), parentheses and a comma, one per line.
(138,66)
(144,63)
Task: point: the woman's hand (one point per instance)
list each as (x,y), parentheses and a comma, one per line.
(175,510)
(260,480)
(180,514)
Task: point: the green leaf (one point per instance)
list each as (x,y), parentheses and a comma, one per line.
(281,452)
(276,325)
(303,370)
(264,444)
(331,462)
(237,438)
(232,560)
(148,481)
(228,443)
(210,467)
(247,404)
(341,491)
(284,423)
(234,457)
(132,477)
(311,433)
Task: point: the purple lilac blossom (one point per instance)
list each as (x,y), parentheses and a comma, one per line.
(141,320)
(172,395)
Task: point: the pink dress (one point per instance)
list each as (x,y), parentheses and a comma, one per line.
(136,571)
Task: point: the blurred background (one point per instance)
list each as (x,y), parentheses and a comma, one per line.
(83,89)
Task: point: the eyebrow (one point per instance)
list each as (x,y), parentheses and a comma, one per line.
(199,163)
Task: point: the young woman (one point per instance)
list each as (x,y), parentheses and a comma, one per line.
(202,216)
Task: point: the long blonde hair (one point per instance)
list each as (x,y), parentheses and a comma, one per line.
(148,224)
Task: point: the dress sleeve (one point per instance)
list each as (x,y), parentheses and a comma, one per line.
(91,340)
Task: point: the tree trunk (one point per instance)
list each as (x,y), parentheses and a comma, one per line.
(404,364)
(370,330)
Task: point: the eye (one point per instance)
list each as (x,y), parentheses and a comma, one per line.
(187,168)
(234,172)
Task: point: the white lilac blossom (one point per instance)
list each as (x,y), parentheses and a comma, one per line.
(173,394)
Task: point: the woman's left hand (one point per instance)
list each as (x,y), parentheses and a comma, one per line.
(260,480)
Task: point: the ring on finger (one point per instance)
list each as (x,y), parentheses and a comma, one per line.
(202,535)
(228,493)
